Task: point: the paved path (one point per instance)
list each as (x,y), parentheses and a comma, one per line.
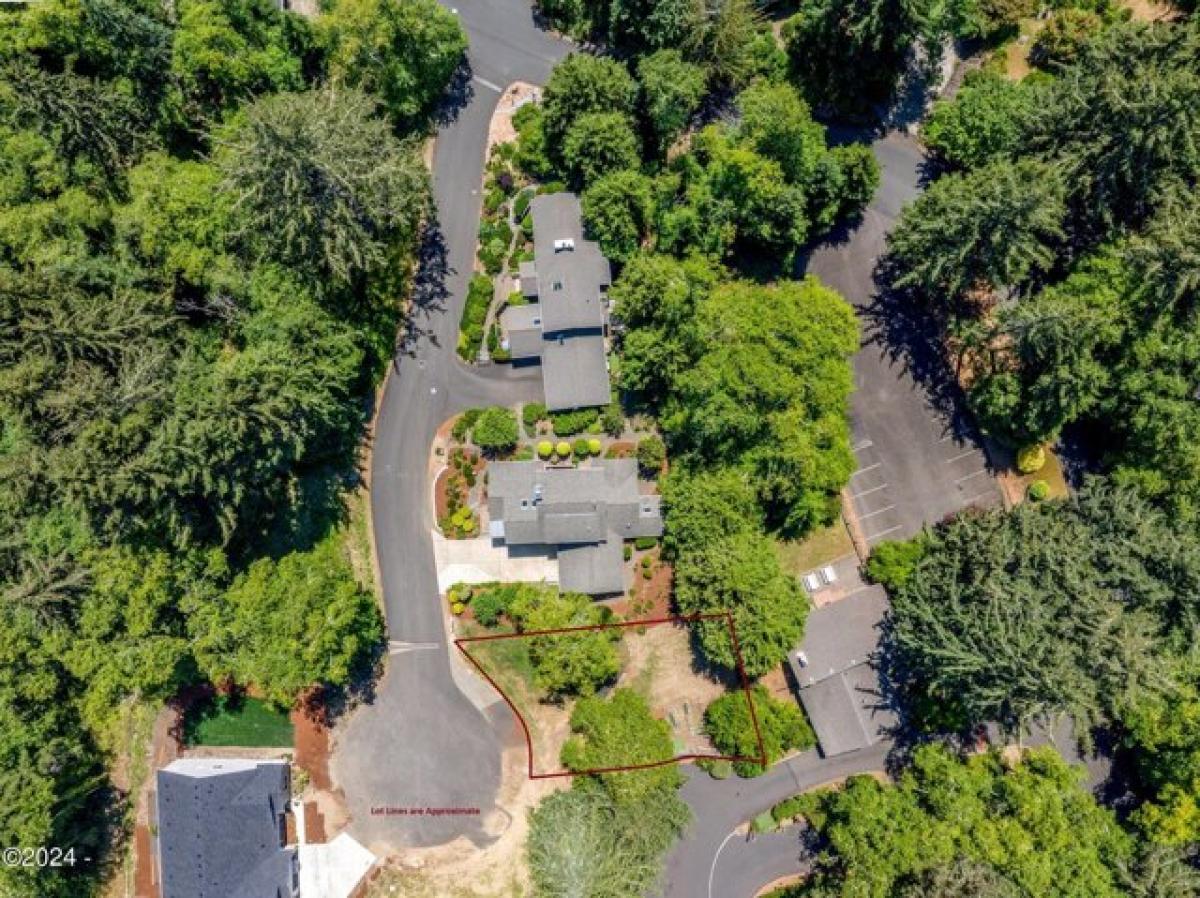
(421,743)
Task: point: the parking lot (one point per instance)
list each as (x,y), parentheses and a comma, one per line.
(954,475)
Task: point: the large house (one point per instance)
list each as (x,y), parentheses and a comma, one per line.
(222,830)
(584,513)
(565,324)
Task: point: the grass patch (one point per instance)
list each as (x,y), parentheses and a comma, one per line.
(798,557)
(237,721)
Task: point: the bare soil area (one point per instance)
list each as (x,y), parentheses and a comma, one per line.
(501,129)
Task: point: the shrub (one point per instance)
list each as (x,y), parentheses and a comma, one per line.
(719,770)
(643,543)
(612,419)
(524,453)
(893,562)
(1031,459)
(1039,490)
(532,413)
(491,254)
(489,605)
(521,204)
(496,430)
(782,724)
(462,427)
(651,454)
(581,448)
(563,449)
(594,446)
(627,551)
(479,297)
(796,806)
(545,449)
(763,823)
(647,561)
(517,298)
(570,423)
(458,608)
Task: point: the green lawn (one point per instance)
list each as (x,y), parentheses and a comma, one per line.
(798,557)
(242,722)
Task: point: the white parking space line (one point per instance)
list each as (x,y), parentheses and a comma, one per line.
(867,468)
(882,532)
(863,517)
(960,455)
(873,489)
(865,444)
(971,476)
(489,85)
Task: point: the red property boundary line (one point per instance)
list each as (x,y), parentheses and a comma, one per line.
(461,642)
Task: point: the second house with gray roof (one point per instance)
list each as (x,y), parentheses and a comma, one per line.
(584,513)
(565,325)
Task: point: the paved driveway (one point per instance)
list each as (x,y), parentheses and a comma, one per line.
(484,561)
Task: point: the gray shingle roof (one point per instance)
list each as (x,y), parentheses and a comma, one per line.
(592,507)
(221,831)
(575,372)
(570,282)
(566,327)
(594,570)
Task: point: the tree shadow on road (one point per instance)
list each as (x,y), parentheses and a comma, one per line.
(906,333)
(429,292)
(459,93)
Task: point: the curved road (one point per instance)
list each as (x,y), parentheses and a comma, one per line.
(421,743)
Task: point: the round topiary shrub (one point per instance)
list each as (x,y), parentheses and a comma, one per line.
(1039,490)
(1031,459)
(545,449)
(563,449)
(581,448)
(594,446)
(458,608)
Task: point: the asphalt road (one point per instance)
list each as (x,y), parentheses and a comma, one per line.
(420,743)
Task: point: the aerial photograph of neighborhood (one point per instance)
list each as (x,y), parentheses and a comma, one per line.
(599,449)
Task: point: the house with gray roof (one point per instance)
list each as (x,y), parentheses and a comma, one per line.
(565,324)
(835,671)
(585,513)
(222,829)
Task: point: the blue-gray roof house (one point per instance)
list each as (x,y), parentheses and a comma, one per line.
(564,328)
(222,829)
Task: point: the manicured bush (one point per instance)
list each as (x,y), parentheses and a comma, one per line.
(545,449)
(796,806)
(533,412)
(581,448)
(651,455)
(719,770)
(1031,459)
(563,449)
(594,446)
(496,430)
(627,551)
(570,423)
(1039,490)
(647,561)
(458,608)
(643,543)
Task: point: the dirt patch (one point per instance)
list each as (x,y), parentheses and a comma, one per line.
(620,449)
(649,597)
(661,666)
(500,129)
(1151,11)
(314,824)
(312,744)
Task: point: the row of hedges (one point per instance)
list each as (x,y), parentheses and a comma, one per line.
(470,334)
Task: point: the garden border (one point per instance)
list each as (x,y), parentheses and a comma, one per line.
(460,643)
